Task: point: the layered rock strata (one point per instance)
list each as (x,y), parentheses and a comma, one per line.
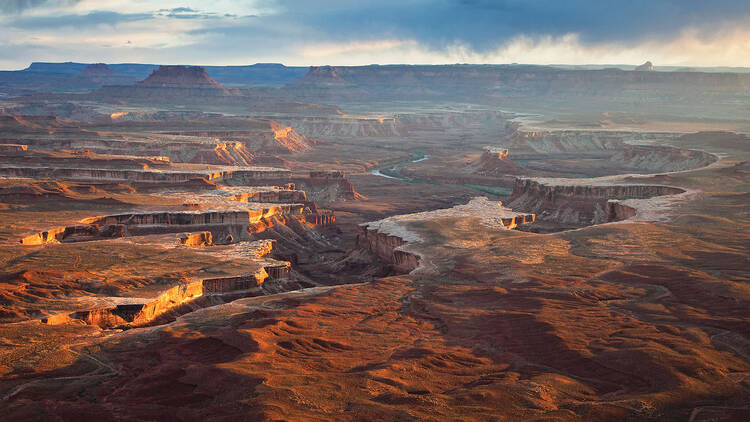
(392,240)
(97,228)
(224,226)
(248,176)
(616,150)
(495,161)
(180,77)
(185,297)
(271,195)
(327,186)
(196,239)
(581,202)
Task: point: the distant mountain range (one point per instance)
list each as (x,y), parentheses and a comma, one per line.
(264,74)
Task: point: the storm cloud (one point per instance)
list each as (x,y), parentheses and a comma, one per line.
(383,31)
(484,24)
(18,6)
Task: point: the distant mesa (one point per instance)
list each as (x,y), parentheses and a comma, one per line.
(645,67)
(97,69)
(329,75)
(180,77)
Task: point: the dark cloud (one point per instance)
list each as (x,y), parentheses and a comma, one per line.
(483,24)
(90,19)
(182,9)
(282,28)
(185,13)
(18,6)
(103,18)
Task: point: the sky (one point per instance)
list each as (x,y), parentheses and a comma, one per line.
(359,32)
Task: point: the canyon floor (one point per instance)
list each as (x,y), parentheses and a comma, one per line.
(402,260)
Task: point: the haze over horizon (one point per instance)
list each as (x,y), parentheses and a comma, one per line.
(234,32)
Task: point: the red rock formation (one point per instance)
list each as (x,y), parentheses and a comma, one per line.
(26,124)
(613,150)
(13,148)
(574,203)
(229,284)
(180,77)
(386,246)
(324,187)
(660,158)
(495,161)
(281,269)
(76,233)
(236,224)
(288,139)
(247,176)
(617,211)
(122,316)
(196,239)
(269,137)
(321,217)
(345,126)
(275,195)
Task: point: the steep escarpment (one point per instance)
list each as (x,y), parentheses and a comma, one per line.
(19,124)
(325,187)
(274,138)
(22,155)
(386,247)
(594,143)
(274,194)
(393,240)
(399,124)
(178,150)
(495,161)
(247,176)
(188,296)
(196,239)
(97,69)
(346,126)
(180,77)
(287,139)
(600,153)
(569,203)
(223,224)
(168,84)
(506,83)
(102,74)
(661,158)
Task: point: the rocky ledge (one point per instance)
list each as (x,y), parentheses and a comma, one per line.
(569,203)
(392,239)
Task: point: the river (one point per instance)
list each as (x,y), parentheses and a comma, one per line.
(395,167)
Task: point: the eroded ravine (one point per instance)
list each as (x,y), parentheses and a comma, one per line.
(565,203)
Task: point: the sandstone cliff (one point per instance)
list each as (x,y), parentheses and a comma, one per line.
(327,187)
(605,152)
(395,242)
(495,161)
(569,203)
(196,239)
